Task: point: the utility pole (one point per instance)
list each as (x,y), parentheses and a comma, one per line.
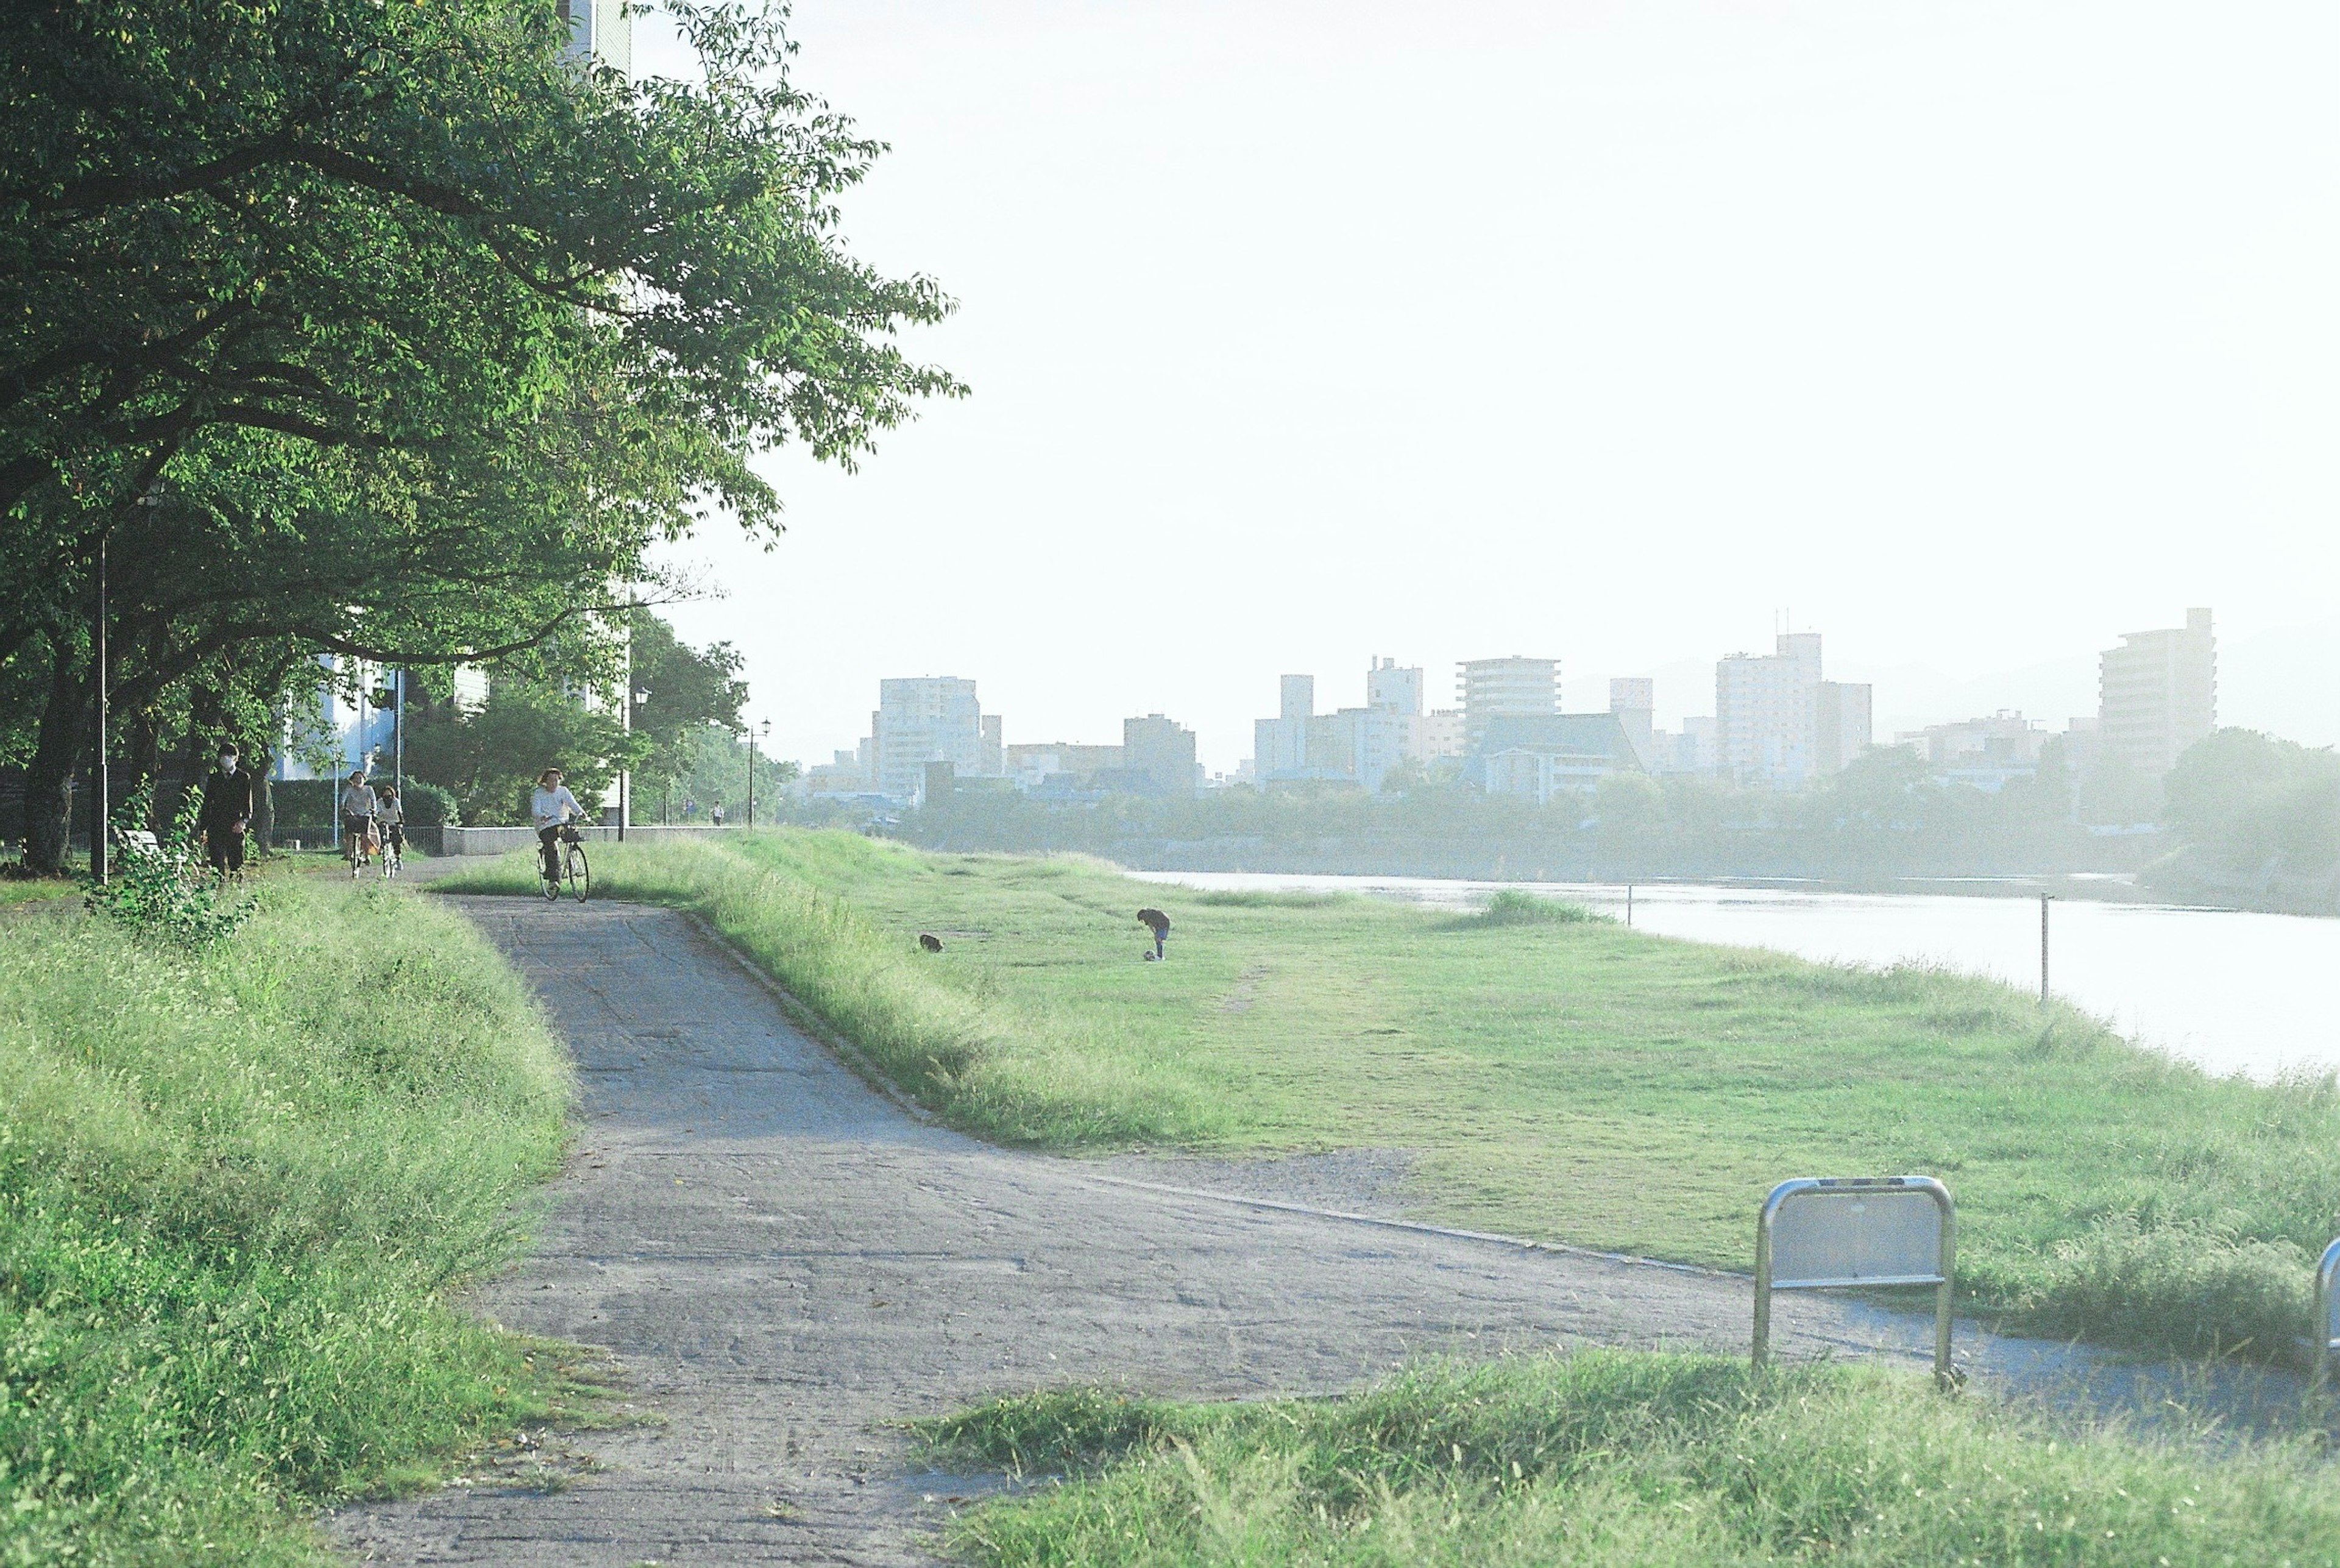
(398,736)
(751,775)
(2043,949)
(102,808)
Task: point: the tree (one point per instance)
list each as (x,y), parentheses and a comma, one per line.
(689,691)
(295,258)
(2249,799)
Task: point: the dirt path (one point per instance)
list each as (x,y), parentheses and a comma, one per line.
(787,1265)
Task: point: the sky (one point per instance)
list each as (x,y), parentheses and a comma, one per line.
(1969,334)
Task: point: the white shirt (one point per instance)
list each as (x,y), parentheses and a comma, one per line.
(357,800)
(554,806)
(388,811)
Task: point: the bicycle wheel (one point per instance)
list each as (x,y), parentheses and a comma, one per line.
(580,875)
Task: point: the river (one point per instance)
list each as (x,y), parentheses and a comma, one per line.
(2234,991)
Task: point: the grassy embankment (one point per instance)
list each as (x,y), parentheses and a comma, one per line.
(1568,1080)
(1604,1460)
(233,1189)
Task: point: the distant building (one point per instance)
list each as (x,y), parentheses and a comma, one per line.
(1779,723)
(1059,767)
(1988,753)
(1394,689)
(1436,735)
(1352,745)
(1298,693)
(1513,688)
(1698,746)
(1633,699)
(1161,751)
(1539,756)
(929,718)
(2158,694)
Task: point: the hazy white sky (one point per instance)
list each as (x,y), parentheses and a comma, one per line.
(1970,334)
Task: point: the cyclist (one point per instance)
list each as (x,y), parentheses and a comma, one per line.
(551,807)
(390,820)
(357,809)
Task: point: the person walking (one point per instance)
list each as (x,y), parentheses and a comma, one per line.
(1155,921)
(229,792)
(716,814)
(358,807)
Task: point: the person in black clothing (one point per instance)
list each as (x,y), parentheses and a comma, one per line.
(1155,921)
(228,795)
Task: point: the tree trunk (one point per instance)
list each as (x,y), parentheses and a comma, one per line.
(261,763)
(48,776)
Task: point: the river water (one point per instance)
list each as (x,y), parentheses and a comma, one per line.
(2234,991)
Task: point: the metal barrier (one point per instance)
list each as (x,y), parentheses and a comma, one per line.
(1821,1232)
(2327,1312)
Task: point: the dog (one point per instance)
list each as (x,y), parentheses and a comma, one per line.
(929,942)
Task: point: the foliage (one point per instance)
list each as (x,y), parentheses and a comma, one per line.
(393,332)
(689,693)
(1511,907)
(1610,1459)
(1553,1080)
(1884,816)
(2247,799)
(166,893)
(234,1187)
(489,760)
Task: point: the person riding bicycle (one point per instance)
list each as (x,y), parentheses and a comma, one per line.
(550,806)
(390,821)
(357,809)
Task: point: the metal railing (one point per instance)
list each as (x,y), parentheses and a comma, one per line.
(1822,1233)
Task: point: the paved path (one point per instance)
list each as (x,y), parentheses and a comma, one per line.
(787,1266)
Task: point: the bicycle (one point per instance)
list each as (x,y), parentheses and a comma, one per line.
(574,868)
(394,857)
(354,850)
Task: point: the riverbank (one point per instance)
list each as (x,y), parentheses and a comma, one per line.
(1547,1076)
(234,1189)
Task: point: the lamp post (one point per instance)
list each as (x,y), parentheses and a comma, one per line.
(751,775)
(102,807)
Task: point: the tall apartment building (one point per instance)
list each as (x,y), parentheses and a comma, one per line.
(930,718)
(1392,689)
(1513,688)
(2158,693)
(1779,723)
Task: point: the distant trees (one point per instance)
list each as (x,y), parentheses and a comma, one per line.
(2251,802)
(389,330)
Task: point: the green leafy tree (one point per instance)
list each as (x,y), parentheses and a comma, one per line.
(393,332)
(2249,800)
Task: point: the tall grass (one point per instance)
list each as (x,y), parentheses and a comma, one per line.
(1021,1074)
(232,1188)
(1604,1459)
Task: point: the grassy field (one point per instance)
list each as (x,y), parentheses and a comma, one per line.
(1605,1460)
(1556,1077)
(233,1189)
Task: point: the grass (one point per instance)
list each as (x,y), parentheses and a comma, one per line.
(233,1189)
(1607,1458)
(1562,1078)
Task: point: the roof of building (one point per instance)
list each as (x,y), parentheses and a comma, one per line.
(1561,735)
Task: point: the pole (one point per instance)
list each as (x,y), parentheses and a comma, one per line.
(102,812)
(751,778)
(1629,905)
(2043,949)
(398,735)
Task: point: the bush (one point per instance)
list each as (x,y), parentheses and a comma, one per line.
(1512,907)
(167,893)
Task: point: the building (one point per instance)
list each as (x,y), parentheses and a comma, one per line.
(2158,694)
(1539,756)
(1161,751)
(929,718)
(1778,723)
(1352,745)
(1633,699)
(1513,688)
(602,31)
(1436,735)
(1394,689)
(1986,752)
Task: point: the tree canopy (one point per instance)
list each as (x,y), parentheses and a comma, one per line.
(395,331)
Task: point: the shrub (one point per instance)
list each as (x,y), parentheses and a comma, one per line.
(1513,907)
(166,893)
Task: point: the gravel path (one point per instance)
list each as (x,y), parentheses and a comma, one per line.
(787,1266)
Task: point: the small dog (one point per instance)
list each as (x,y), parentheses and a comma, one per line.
(930,943)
